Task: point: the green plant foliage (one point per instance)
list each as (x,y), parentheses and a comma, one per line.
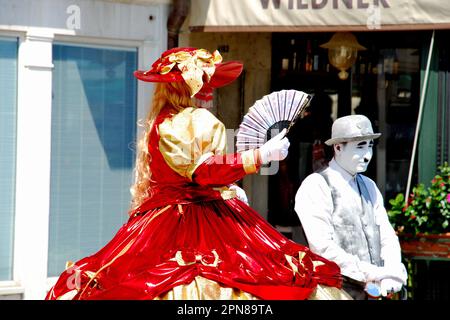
(428,208)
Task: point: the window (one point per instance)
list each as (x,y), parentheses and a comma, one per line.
(93,130)
(8,92)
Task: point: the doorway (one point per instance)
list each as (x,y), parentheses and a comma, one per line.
(384,85)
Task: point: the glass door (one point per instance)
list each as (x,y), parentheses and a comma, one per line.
(384,85)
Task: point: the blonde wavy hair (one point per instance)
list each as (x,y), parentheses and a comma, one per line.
(174,95)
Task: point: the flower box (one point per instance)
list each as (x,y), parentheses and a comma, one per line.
(426,212)
(425,245)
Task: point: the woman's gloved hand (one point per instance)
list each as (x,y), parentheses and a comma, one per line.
(275,149)
(240,193)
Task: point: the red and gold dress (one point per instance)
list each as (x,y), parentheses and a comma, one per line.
(193,239)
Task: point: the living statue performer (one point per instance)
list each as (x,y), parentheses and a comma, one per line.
(188,235)
(343,215)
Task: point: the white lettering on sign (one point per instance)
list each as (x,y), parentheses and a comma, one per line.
(74,20)
(374,17)
(320,4)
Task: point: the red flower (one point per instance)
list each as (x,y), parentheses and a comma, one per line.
(410,199)
(448,197)
(412,217)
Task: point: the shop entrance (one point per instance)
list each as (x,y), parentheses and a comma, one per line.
(384,85)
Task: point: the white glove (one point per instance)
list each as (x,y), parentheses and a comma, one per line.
(390,286)
(395,272)
(275,149)
(240,193)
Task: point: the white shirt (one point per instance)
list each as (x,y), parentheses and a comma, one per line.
(314,207)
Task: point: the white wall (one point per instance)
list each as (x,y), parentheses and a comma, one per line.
(38,24)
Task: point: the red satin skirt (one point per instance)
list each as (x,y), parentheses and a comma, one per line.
(222,242)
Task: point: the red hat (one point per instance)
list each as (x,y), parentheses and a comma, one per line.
(201,70)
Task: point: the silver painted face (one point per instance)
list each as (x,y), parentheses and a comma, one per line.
(354,156)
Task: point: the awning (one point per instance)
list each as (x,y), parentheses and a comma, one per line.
(318,15)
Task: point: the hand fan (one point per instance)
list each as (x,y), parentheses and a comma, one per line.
(272,113)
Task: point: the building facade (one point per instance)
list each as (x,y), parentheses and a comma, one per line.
(400,81)
(280,44)
(69,109)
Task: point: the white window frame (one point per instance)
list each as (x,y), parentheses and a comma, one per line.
(34,104)
(13,286)
(105,44)
(29,282)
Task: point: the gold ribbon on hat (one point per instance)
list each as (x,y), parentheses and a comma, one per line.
(192,66)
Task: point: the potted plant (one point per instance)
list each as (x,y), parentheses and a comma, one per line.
(422,223)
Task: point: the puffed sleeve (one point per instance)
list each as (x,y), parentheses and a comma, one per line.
(193,144)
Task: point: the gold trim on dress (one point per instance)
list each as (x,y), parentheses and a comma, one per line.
(291,260)
(226,193)
(190,137)
(329,293)
(69,295)
(198,258)
(291,264)
(69,264)
(317,264)
(205,289)
(190,171)
(249,161)
(145,221)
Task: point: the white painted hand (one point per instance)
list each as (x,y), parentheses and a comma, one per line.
(275,149)
(390,286)
(240,193)
(395,272)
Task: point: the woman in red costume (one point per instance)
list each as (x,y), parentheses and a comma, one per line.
(188,235)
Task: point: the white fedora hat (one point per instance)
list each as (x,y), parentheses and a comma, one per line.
(351,128)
